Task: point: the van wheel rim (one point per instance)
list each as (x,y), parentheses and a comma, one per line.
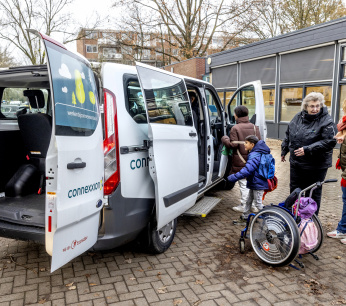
(165,233)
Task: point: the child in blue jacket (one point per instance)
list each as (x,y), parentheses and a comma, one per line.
(255,182)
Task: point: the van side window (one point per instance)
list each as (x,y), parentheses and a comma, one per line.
(248,100)
(166,98)
(14,102)
(135,104)
(213,105)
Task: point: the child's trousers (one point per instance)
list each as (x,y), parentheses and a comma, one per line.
(255,197)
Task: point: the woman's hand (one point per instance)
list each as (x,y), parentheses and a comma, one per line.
(299,152)
(283,159)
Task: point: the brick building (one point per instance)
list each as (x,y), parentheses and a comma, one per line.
(128,47)
(194,67)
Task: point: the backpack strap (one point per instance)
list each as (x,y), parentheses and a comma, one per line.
(305,225)
(241,157)
(254,128)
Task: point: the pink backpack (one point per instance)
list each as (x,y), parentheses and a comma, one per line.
(308,236)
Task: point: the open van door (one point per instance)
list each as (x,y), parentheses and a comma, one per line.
(74,164)
(173,151)
(251,96)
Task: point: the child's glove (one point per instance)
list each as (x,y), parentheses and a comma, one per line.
(232,178)
(337,166)
(343,182)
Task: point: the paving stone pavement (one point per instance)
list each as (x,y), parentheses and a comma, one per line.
(202,267)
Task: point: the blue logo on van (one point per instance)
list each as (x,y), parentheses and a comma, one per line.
(139,163)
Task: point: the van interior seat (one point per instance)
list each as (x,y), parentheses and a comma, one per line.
(36,130)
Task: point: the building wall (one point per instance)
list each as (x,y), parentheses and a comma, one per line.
(290,67)
(194,67)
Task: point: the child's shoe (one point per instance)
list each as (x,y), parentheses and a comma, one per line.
(254,209)
(239,208)
(343,241)
(336,234)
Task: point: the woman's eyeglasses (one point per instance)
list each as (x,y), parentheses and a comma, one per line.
(314,106)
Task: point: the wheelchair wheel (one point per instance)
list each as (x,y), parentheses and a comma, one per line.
(320,234)
(242,245)
(274,236)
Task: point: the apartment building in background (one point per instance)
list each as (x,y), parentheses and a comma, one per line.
(118,46)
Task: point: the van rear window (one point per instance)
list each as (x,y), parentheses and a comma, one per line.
(14,102)
(74,91)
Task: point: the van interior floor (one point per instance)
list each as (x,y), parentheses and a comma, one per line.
(27,210)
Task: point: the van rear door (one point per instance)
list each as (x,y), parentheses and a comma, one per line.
(173,152)
(74,165)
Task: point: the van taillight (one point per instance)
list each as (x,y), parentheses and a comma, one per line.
(110,144)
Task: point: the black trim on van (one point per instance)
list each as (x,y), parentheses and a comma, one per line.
(180,195)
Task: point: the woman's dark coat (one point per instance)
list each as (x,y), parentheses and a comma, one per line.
(315,133)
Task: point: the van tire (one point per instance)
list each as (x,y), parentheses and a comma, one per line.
(160,240)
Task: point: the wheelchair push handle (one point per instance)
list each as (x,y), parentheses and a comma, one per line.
(330,181)
(312,188)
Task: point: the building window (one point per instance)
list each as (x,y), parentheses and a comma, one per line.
(126,49)
(269,102)
(229,95)
(91,35)
(91,48)
(342,99)
(291,101)
(221,95)
(217,43)
(112,53)
(248,100)
(146,54)
(326,91)
(175,52)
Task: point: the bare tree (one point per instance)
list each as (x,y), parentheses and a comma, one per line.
(269,20)
(46,16)
(190,26)
(277,17)
(6,59)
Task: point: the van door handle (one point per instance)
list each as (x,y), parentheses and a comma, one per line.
(192,134)
(76,165)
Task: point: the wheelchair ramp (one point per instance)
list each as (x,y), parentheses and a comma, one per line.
(202,207)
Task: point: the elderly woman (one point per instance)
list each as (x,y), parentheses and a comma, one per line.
(310,141)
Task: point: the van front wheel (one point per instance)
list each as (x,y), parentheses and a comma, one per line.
(160,240)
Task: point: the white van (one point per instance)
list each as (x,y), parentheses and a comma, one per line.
(101,160)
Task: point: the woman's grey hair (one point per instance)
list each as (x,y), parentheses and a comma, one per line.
(313,96)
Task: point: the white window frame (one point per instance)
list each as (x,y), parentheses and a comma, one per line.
(92,46)
(92,35)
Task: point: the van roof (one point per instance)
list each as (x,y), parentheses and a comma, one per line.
(132,69)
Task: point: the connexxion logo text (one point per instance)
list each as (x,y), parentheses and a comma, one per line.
(86,189)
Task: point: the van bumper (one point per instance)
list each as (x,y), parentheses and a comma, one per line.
(22,232)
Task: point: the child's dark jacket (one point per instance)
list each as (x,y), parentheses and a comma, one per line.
(250,171)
